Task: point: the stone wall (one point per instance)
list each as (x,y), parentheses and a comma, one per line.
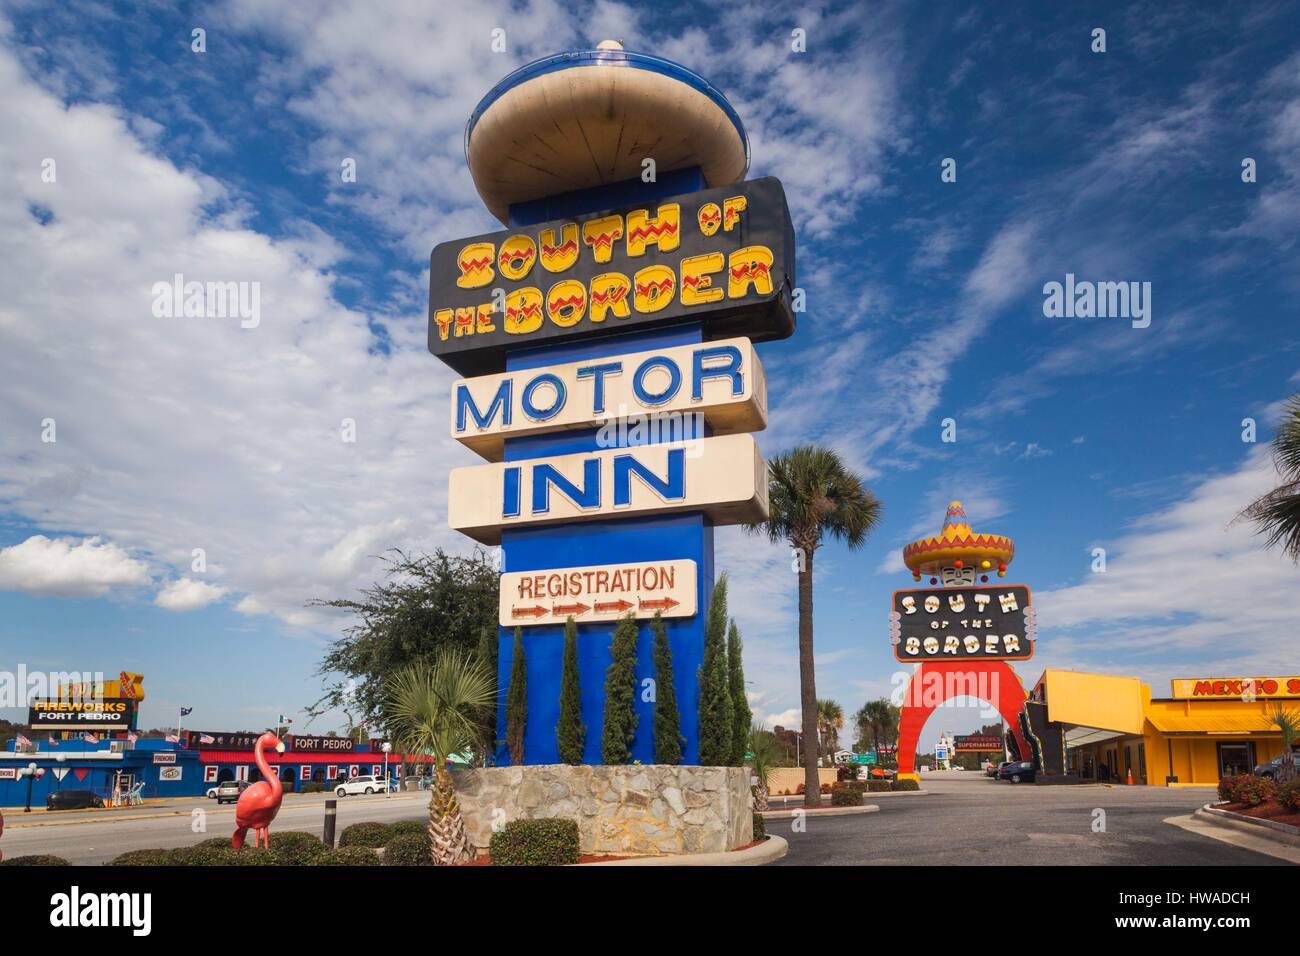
(653,809)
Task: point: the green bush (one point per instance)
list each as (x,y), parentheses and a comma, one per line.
(535,843)
(846,797)
(410,850)
(408,828)
(373,835)
(1227,787)
(36,859)
(295,848)
(152,857)
(878,786)
(1253,791)
(348,856)
(760,827)
(1288,795)
(904,785)
(311,786)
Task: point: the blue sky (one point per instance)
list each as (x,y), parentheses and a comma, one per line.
(925,302)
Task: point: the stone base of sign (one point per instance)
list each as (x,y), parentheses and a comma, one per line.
(652,809)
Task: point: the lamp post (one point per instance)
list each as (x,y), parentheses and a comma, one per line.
(388,784)
(30,771)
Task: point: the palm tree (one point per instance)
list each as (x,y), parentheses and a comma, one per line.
(435,708)
(812,494)
(877,721)
(1288,722)
(1277,514)
(830,721)
(764,754)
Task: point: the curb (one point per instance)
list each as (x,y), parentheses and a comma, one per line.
(109,816)
(821,812)
(866,793)
(1280,832)
(770,850)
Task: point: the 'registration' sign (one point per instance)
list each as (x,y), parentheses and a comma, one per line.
(599,593)
(645,394)
(94,714)
(725,477)
(1225,688)
(724,256)
(955,624)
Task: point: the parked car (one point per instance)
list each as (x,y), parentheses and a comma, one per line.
(212,792)
(991,768)
(362,784)
(228,791)
(1269,770)
(1017,771)
(73,800)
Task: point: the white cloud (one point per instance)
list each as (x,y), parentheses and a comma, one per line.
(789,719)
(68,567)
(186,594)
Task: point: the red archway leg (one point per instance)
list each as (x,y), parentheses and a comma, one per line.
(922,698)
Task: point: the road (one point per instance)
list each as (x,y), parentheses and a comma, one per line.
(94,838)
(967,819)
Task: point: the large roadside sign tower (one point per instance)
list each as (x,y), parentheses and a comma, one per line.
(610,378)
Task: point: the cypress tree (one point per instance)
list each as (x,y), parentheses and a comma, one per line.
(668,725)
(620,687)
(570,733)
(487,718)
(741,716)
(517,702)
(715,689)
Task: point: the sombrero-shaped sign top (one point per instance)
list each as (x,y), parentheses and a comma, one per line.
(957,546)
(591,117)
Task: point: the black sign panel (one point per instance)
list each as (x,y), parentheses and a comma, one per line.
(724,256)
(107,714)
(322,745)
(961,624)
(976,743)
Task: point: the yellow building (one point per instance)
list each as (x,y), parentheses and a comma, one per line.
(1205,729)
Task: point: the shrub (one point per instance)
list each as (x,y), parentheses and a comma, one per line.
(36,859)
(409,850)
(858,785)
(295,848)
(1288,796)
(312,786)
(760,827)
(372,835)
(824,788)
(1253,791)
(152,857)
(1228,788)
(408,828)
(846,797)
(904,785)
(348,856)
(877,786)
(535,843)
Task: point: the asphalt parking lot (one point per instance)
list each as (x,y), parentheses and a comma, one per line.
(967,819)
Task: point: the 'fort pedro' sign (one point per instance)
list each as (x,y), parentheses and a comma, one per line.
(600,593)
(724,256)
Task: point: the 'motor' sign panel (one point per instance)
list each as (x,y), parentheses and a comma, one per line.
(723,381)
(725,256)
(601,593)
(962,624)
(725,477)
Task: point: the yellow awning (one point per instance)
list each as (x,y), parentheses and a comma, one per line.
(1213,724)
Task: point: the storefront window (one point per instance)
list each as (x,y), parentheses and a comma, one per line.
(1236,758)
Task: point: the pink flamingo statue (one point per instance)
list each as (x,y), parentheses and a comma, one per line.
(259,804)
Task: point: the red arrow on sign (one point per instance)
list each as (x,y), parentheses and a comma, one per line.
(620,606)
(661,604)
(536,611)
(567,609)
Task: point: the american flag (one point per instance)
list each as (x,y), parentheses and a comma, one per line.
(207,739)
(53,742)
(90,738)
(23,741)
(172,739)
(133,737)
